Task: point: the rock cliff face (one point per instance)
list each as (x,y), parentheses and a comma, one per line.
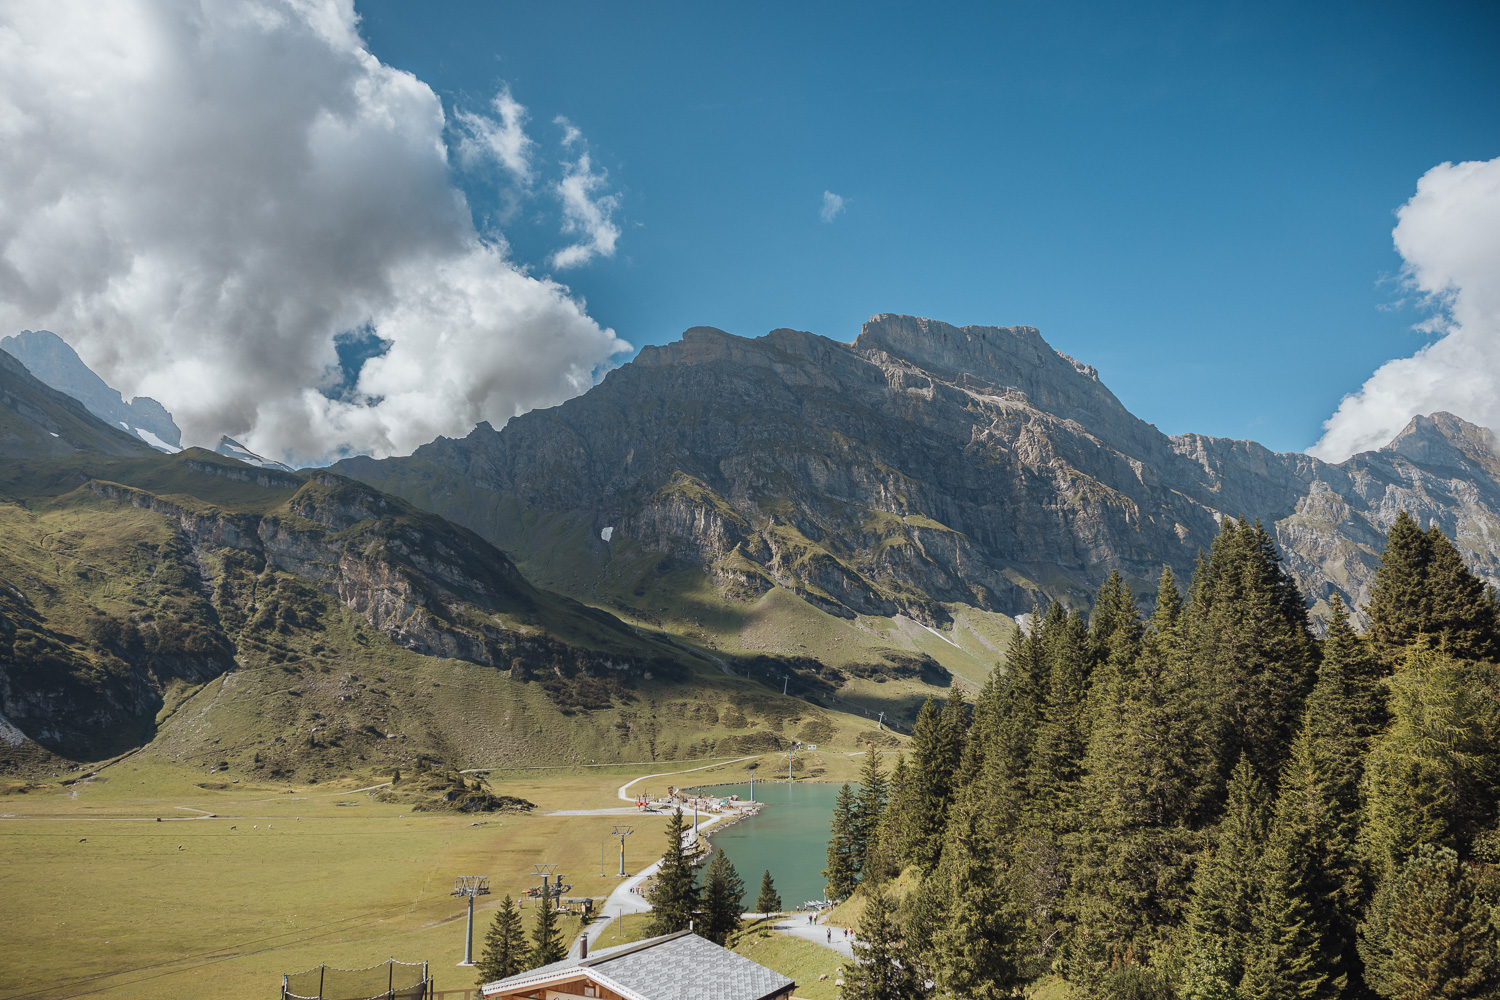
(920,467)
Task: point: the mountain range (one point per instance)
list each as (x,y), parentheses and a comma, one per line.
(727,541)
(923,471)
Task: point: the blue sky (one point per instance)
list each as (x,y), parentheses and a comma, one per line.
(1196,198)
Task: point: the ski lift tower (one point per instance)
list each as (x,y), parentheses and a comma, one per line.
(791,755)
(622,832)
(470,886)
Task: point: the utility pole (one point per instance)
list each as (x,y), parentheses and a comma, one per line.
(622,832)
(470,886)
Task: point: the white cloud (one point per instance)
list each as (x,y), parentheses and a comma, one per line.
(833,205)
(1448,234)
(587,210)
(501,140)
(201,196)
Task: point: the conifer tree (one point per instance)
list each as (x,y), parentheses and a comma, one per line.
(882,970)
(1115,625)
(869,806)
(505,952)
(842,876)
(1062,735)
(892,835)
(1006,721)
(769,900)
(1251,652)
(924,913)
(1347,707)
(1145,775)
(1434,775)
(975,955)
(1442,941)
(1422,588)
(1304,921)
(1221,916)
(723,899)
(674,894)
(936,748)
(546,937)
(1399,592)
(1464,615)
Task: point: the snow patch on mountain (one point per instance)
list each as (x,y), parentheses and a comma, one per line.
(230,448)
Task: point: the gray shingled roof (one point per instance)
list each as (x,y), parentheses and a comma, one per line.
(680,966)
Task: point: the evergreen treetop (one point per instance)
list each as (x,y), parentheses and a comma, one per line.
(769,900)
(674,894)
(723,899)
(1347,707)
(546,937)
(841,873)
(882,968)
(504,953)
(1442,941)
(1423,588)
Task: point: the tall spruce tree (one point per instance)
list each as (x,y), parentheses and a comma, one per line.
(869,807)
(1422,588)
(841,874)
(1347,707)
(1062,734)
(882,969)
(1115,624)
(1007,716)
(936,748)
(723,899)
(1434,775)
(1464,614)
(1442,942)
(975,954)
(674,894)
(1304,922)
(546,937)
(769,900)
(1221,916)
(891,835)
(1143,785)
(505,952)
(1251,652)
(1397,598)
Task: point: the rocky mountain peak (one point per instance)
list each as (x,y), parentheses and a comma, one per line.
(1008,357)
(52,360)
(1443,440)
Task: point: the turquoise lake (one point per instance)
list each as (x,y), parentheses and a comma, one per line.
(789,837)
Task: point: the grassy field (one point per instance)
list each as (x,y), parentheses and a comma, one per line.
(799,960)
(102,899)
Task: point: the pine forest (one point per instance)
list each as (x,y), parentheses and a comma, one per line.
(1203,800)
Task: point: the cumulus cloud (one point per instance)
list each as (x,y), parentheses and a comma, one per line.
(832,205)
(202,197)
(502,140)
(1448,234)
(588,211)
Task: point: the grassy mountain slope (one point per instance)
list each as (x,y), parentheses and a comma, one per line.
(312,626)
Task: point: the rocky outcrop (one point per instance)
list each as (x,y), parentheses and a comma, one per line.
(921,465)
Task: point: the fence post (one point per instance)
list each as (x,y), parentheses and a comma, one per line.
(321,969)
